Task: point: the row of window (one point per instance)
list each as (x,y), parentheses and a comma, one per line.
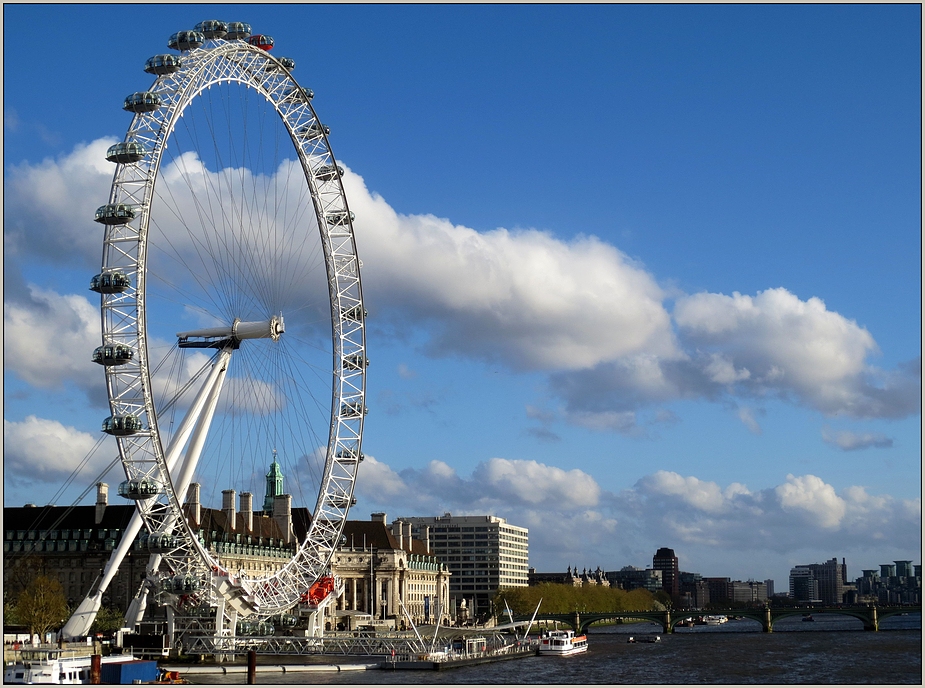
(67,534)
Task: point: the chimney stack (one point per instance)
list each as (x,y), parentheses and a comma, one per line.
(102,499)
(379,517)
(228,508)
(192,500)
(282,514)
(398,531)
(247,510)
(427,538)
(406,527)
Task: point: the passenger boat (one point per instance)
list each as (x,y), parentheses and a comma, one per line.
(715,620)
(563,643)
(54,666)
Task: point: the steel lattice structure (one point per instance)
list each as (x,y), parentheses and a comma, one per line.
(222,244)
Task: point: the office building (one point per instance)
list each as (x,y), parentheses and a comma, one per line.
(483,553)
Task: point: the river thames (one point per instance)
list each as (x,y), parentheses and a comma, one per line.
(830,650)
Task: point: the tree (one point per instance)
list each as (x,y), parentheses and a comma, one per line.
(42,605)
(108,621)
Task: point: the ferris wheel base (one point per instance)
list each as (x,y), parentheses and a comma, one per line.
(236,596)
(78,626)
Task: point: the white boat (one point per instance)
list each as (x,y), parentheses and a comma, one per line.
(563,643)
(54,666)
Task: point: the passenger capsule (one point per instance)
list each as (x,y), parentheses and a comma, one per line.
(186,40)
(112,354)
(126,152)
(353,313)
(110,283)
(328,172)
(339,218)
(121,425)
(161,542)
(212,28)
(356,362)
(182,584)
(236,30)
(353,410)
(297,93)
(313,131)
(262,42)
(143,101)
(350,455)
(114,214)
(286,62)
(341,502)
(145,488)
(163,64)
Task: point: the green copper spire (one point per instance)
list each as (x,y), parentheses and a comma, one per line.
(274,485)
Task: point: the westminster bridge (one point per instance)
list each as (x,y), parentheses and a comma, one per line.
(870,616)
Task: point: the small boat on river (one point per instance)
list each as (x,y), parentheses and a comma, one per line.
(563,643)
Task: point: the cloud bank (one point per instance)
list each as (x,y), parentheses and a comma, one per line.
(581,311)
(570,516)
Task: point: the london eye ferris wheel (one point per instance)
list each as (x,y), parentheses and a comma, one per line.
(232,308)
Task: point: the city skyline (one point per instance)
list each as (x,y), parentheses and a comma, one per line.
(638,276)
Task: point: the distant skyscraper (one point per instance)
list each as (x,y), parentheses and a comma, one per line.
(666,562)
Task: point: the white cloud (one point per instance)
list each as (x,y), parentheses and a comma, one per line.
(720,530)
(41,450)
(580,310)
(747,416)
(49,206)
(851,441)
(49,339)
(813,499)
(522,297)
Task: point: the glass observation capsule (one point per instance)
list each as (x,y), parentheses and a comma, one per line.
(356,362)
(163,64)
(212,28)
(339,218)
(161,542)
(114,214)
(354,410)
(142,101)
(286,62)
(121,425)
(352,313)
(297,93)
(312,131)
(126,152)
(110,283)
(236,30)
(341,502)
(186,40)
(350,455)
(139,489)
(112,354)
(261,41)
(328,172)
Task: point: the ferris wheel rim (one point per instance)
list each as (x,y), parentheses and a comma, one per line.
(130,388)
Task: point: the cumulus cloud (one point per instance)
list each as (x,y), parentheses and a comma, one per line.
(552,502)
(571,519)
(580,311)
(522,297)
(49,206)
(46,451)
(48,339)
(851,441)
(803,511)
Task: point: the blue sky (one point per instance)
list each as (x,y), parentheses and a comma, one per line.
(666,287)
